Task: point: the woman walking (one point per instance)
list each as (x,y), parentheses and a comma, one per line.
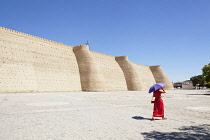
(158,104)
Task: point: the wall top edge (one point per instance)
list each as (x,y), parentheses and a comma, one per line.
(156,66)
(79,47)
(121,58)
(32,36)
(103,54)
(61,44)
(139,64)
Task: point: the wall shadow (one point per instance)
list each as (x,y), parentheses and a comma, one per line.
(200,132)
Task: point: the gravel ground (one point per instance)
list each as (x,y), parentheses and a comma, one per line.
(122,115)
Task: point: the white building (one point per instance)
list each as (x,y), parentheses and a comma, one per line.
(187,85)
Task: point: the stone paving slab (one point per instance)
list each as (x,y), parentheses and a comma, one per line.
(103,115)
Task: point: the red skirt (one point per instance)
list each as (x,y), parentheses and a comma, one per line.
(158,108)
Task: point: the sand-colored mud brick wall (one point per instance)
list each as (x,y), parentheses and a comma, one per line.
(161,77)
(111,71)
(33,64)
(99,72)
(138,77)
(29,63)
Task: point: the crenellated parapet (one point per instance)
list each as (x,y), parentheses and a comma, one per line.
(32,37)
(161,77)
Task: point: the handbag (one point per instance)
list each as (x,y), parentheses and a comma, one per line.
(152,102)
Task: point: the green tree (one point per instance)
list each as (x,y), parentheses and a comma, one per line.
(198,80)
(206,74)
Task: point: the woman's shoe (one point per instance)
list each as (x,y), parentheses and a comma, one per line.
(164,118)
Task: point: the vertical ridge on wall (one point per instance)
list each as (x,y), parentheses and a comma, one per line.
(133,81)
(161,77)
(99,72)
(145,74)
(91,79)
(111,71)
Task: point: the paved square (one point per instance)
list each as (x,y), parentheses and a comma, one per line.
(103,115)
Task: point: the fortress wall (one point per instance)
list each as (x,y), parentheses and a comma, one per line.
(99,72)
(145,74)
(132,79)
(161,77)
(138,77)
(29,63)
(91,78)
(111,71)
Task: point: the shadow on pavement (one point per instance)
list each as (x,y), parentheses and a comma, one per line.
(142,118)
(199,94)
(201,132)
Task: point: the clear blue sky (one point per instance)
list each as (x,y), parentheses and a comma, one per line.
(172,33)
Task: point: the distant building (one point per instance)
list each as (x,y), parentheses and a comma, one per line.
(178,85)
(184,85)
(187,85)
